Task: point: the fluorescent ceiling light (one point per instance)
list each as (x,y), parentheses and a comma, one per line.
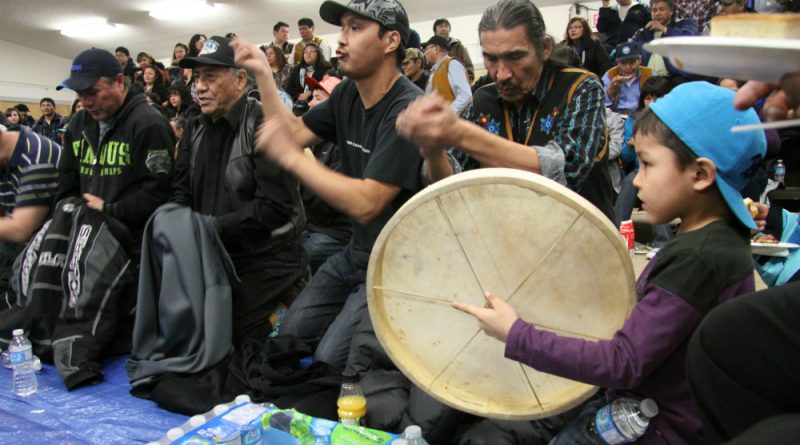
(185,10)
(94,28)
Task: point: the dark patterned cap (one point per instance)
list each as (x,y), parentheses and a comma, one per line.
(389,13)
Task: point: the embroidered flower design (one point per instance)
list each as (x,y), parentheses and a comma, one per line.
(546,123)
(491,125)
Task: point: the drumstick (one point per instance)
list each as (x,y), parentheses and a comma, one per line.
(766,126)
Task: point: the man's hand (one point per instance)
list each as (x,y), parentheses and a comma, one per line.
(429,122)
(654,25)
(93,202)
(783,101)
(305,95)
(496,319)
(274,139)
(250,57)
(614,87)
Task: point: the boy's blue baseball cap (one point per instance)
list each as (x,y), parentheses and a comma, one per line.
(701,115)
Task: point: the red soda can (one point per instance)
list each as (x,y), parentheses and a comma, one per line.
(626,230)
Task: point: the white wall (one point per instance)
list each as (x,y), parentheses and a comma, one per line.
(27,75)
(465,28)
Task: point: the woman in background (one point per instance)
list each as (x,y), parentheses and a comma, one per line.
(591,53)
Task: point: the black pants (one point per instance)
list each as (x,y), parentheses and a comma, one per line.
(744,363)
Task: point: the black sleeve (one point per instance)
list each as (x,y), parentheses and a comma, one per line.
(181,178)
(293,86)
(608,21)
(69,178)
(152,146)
(272,205)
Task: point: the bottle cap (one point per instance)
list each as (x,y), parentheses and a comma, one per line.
(17,332)
(219,409)
(649,408)
(197,420)
(242,398)
(413,432)
(350,377)
(175,433)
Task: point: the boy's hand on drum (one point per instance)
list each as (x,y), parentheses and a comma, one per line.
(495,319)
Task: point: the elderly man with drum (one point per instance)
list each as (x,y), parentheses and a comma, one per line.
(538,116)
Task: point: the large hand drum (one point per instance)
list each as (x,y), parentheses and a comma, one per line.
(535,244)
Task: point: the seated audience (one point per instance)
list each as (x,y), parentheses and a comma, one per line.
(313,64)
(256,205)
(591,54)
(621,21)
(664,23)
(623,83)
(414,68)
(327,231)
(28,187)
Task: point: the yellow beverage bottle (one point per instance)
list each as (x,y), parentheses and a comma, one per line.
(352,405)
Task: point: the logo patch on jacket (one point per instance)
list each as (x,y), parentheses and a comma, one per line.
(158,161)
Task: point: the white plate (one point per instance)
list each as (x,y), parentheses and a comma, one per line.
(731,57)
(772,249)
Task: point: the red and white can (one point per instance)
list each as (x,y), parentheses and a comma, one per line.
(626,230)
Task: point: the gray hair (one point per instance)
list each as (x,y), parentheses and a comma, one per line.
(508,14)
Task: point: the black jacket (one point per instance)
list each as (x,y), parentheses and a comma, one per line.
(594,58)
(264,201)
(130,167)
(618,31)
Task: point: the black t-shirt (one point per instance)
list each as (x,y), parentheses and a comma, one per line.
(370,146)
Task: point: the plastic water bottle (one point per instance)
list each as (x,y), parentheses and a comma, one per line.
(622,421)
(780,171)
(20,353)
(413,435)
(352,405)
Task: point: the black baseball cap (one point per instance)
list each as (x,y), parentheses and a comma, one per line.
(217,51)
(389,13)
(89,66)
(439,41)
(627,50)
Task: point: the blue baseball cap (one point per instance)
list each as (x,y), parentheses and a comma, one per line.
(701,115)
(89,66)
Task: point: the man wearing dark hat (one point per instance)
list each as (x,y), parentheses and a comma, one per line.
(448,76)
(379,169)
(117,148)
(457,50)
(255,204)
(623,83)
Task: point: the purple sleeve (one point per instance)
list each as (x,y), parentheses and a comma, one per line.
(659,324)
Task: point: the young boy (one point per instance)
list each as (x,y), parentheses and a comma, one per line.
(691,167)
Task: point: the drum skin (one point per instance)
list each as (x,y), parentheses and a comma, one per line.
(532,242)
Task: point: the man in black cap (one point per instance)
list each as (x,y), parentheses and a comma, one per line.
(379,169)
(255,204)
(117,148)
(448,76)
(624,82)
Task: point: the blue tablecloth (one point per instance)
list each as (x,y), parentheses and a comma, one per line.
(104,413)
